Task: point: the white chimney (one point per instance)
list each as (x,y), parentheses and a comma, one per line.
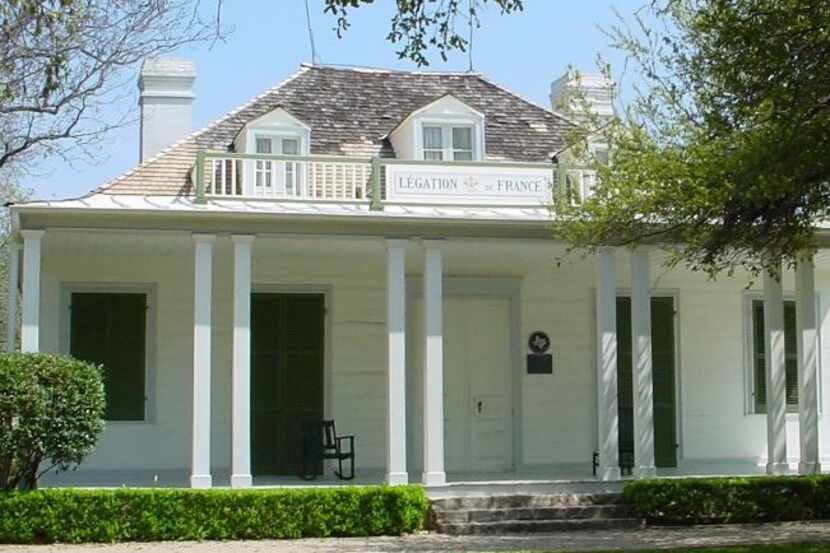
(166,101)
(596,89)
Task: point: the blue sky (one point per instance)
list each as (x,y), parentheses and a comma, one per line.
(524,51)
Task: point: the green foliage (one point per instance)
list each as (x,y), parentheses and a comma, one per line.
(730,500)
(51,410)
(9,192)
(721,157)
(77,516)
(420,25)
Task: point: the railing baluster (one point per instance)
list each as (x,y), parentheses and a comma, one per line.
(224,179)
(217,171)
(312,174)
(335,181)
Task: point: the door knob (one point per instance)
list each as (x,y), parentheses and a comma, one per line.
(479,404)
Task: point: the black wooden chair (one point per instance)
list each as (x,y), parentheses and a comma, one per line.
(320,442)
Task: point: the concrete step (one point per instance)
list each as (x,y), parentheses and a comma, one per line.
(581,512)
(534,526)
(517,501)
(526,513)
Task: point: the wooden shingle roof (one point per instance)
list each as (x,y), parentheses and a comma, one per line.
(350,112)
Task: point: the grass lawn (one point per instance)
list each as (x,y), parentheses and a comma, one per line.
(779,548)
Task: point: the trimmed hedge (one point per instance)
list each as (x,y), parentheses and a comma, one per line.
(79,516)
(730,500)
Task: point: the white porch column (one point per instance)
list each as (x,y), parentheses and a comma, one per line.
(433,366)
(396,363)
(30,332)
(241,402)
(608,423)
(775,374)
(805,298)
(12,296)
(643,384)
(203,282)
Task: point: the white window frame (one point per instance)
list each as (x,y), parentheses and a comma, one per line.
(749,361)
(150,290)
(447,149)
(276,137)
(263,170)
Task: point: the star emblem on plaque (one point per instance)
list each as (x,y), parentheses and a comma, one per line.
(538,360)
(538,342)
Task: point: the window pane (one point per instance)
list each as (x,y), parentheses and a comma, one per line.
(462,138)
(432,138)
(290,146)
(601,155)
(263,145)
(461,155)
(435,155)
(109,329)
(759,354)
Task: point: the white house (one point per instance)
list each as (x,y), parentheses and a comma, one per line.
(373,247)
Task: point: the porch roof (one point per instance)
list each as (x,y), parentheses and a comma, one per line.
(126,203)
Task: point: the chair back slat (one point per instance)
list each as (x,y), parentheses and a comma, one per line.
(329,434)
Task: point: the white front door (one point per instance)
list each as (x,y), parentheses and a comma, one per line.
(477,386)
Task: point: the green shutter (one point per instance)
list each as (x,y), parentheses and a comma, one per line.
(791,353)
(625,376)
(663,385)
(109,329)
(663,376)
(759,355)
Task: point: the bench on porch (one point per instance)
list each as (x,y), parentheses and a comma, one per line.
(320,442)
(626,462)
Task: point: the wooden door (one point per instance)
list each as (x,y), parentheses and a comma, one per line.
(488,368)
(287,356)
(477,395)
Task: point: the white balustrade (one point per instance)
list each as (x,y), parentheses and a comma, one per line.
(276,178)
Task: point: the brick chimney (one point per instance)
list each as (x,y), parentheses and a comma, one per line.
(166,101)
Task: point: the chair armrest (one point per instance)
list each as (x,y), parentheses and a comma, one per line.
(339,439)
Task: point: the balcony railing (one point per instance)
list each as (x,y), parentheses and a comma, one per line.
(382,180)
(310,178)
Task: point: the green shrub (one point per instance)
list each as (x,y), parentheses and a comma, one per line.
(51,410)
(77,516)
(730,500)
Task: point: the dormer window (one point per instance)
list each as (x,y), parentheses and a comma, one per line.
(448,142)
(275,133)
(446,129)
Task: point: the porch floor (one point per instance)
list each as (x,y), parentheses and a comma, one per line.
(574,478)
